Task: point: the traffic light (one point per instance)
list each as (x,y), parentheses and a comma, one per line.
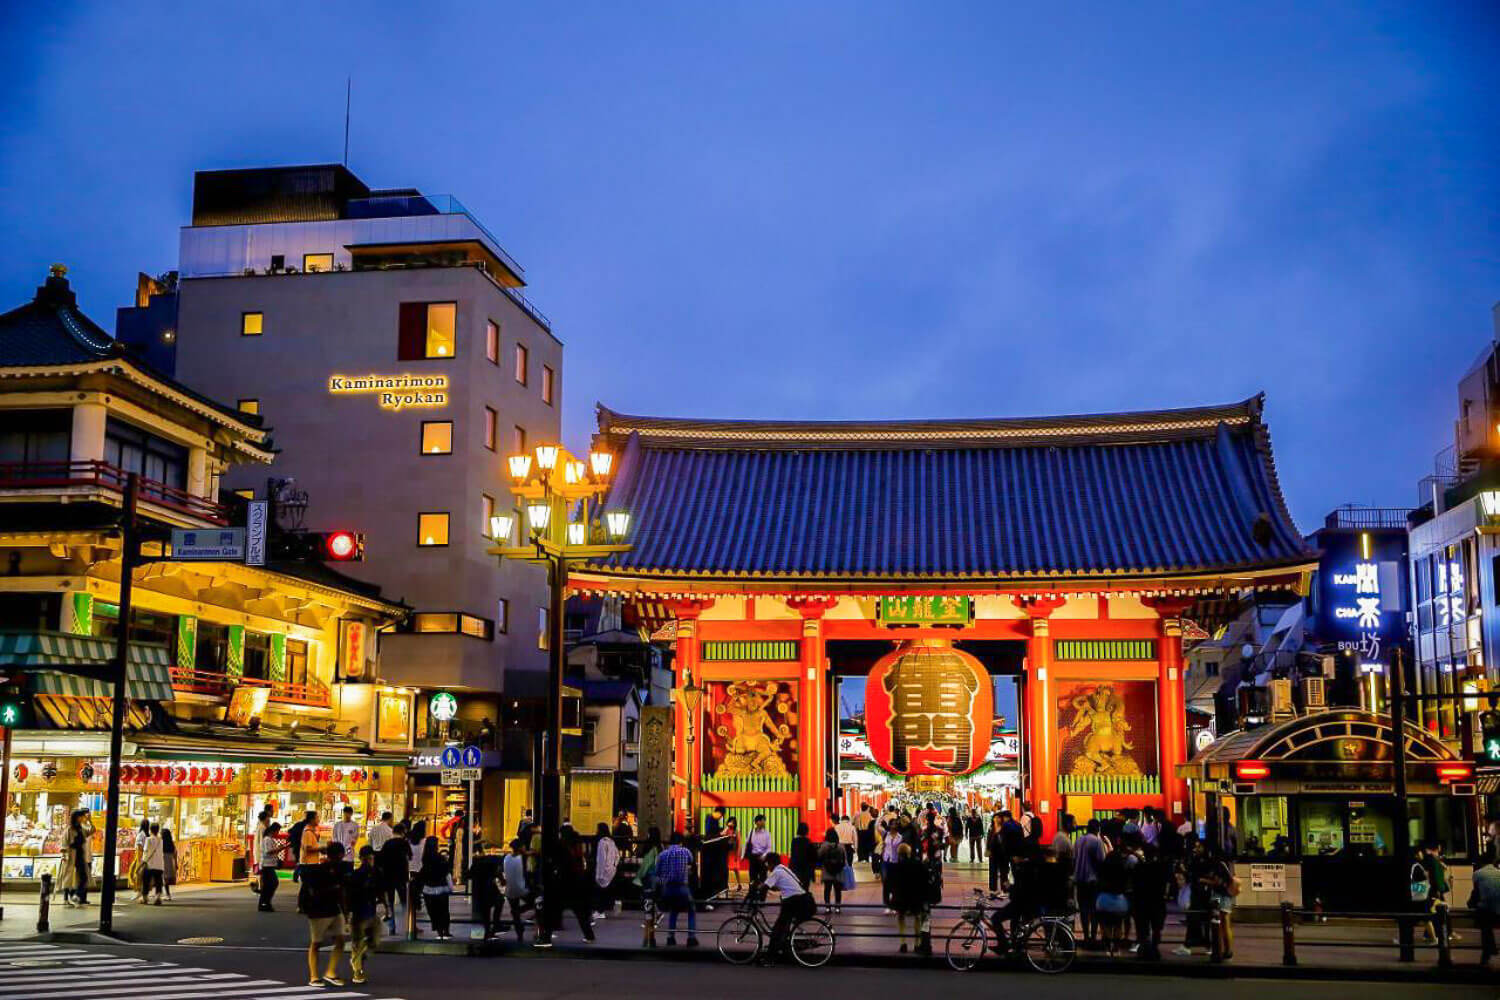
(1489,722)
(12,708)
(343,546)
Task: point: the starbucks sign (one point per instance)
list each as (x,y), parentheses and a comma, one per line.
(443,706)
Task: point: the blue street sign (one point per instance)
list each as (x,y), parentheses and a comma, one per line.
(452,757)
(471,756)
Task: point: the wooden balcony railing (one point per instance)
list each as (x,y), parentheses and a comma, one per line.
(60,475)
(312,693)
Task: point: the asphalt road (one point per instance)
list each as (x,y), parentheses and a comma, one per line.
(417,977)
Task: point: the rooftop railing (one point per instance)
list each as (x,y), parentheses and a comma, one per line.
(1366,518)
(400,206)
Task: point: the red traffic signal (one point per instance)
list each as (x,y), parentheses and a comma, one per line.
(343,546)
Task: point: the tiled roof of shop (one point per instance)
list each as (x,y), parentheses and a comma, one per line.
(1139,494)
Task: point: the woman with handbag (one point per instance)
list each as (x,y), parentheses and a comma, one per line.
(833,859)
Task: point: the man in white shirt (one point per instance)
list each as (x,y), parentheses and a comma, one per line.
(346,832)
(796,903)
(381,832)
(847,836)
(758,849)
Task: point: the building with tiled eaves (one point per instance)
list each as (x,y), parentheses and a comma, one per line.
(842,595)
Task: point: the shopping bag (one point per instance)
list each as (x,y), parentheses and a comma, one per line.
(847,878)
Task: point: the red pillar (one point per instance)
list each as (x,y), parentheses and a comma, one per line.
(1041,723)
(812,715)
(687,774)
(1171,706)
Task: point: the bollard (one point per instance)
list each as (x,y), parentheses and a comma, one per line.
(1215,940)
(44,904)
(1404,935)
(1443,928)
(1288,936)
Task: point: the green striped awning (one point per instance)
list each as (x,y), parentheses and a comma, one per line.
(76,659)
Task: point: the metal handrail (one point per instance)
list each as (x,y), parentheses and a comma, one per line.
(313,693)
(60,474)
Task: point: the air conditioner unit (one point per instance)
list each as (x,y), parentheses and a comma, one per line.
(1315,692)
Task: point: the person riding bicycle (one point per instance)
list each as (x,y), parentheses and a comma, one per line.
(796,902)
(1040,887)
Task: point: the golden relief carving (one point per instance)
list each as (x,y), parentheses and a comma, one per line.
(753,739)
(1099,717)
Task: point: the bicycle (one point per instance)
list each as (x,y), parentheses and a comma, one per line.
(1046,942)
(744,937)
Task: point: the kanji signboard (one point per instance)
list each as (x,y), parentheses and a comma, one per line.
(929,709)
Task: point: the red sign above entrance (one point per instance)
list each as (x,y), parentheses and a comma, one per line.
(929,709)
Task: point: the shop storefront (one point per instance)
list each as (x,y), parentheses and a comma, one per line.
(209,801)
(1308,809)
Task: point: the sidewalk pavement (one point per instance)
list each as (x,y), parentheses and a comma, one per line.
(866,936)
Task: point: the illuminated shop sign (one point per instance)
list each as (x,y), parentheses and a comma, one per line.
(1363,601)
(394,392)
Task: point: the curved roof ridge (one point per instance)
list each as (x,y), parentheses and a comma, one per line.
(969,432)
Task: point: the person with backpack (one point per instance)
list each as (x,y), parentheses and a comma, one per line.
(833,859)
(269,852)
(321,900)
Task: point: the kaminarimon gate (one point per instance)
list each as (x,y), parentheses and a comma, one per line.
(852,601)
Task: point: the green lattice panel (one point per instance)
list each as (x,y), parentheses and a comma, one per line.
(761,650)
(1104,649)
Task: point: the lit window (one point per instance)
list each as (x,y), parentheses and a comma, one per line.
(492,341)
(474,625)
(518,441)
(437,437)
(434,623)
(427,330)
(502,615)
(250,406)
(486,511)
(547,385)
(490,416)
(543,633)
(317,262)
(521,363)
(432,529)
(252,324)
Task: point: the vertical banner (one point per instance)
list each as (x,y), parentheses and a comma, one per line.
(355,639)
(277,666)
(78,614)
(655,769)
(234,664)
(187,643)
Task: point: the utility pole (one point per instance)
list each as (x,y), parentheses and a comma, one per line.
(130,557)
(1398,751)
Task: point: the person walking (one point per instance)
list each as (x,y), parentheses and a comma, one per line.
(803,857)
(321,899)
(757,848)
(393,858)
(269,853)
(365,895)
(154,858)
(645,873)
(864,832)
(436,880)
(974,834)
(346,832)
(606,865)
(138,863)
(994,848)
(1484,900)
(674,868)
(732,851)
(169,861)
(890,853)
(518,892)
(833,858)
(1150,881)
(1062,840)
(1112,902)
(848,837)
(379,834)
(906,883)
(77,859)
(564,887)
(1088,859)
(955,832)
(416,837)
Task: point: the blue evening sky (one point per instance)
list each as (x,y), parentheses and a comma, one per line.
(860,209)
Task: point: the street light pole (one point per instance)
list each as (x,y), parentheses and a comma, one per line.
(551,791)
(130,557)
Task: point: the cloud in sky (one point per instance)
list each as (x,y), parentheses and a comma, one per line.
(855,210)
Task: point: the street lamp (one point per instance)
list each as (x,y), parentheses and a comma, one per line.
(564,520)
(692,697)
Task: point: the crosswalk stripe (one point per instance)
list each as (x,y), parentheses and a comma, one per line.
(103,976)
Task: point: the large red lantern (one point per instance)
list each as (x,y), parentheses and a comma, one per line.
(929,709)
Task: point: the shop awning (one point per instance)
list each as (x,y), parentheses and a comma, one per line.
(219,742)
(77,665)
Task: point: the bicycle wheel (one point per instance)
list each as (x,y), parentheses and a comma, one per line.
(966,944)
(739,940)
(1050,947)
(812,942)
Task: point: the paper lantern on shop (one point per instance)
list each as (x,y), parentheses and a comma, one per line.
(929,709)
(49,771)
(85,771)
(20,771)
(195,774)
(127,774)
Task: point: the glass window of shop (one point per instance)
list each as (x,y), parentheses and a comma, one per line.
(145,626)
(257,655)
(1322,824)
(212,656)
(1265,827)
(296,661)
(1447,600)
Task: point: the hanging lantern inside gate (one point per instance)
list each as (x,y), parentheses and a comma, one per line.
(929,709)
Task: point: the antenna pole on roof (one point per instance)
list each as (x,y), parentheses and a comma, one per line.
(348,95)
